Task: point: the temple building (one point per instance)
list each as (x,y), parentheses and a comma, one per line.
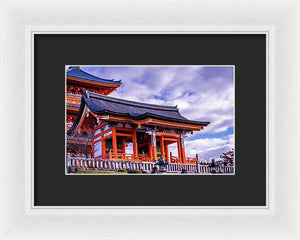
(110,124)
(78,81)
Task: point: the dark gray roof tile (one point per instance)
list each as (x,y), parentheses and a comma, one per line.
(77,72)
(100,105)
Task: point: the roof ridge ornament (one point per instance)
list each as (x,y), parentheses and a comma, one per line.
(86,93)
(77,68)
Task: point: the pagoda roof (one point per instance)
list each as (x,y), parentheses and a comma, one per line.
(104,105)
(77,72)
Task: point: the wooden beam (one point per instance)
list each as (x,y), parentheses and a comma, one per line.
(98,140)
(99,126)
(158,123)
(102,133)
(124,134)
(175,135)
(171,139)
(125,129)
(177,125)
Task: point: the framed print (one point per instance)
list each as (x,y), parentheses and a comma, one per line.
(115,135)
(161,120)
(172,122)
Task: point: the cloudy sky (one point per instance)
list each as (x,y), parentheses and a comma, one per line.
(204,93)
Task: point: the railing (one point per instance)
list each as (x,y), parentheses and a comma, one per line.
(188,160)
(126,157)
(146,166)
(81,139)
(191,160)
(105,164)
(174,159)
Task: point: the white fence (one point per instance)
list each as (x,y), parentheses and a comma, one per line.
(115,165)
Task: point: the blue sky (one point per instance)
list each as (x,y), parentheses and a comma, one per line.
(204,93)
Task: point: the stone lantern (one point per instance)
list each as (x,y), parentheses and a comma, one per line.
(161,165)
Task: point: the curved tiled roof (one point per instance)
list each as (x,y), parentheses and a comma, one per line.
(77,72)
(100,105)
(126,105)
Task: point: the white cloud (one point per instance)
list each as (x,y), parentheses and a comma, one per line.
(201,93)
(206,148)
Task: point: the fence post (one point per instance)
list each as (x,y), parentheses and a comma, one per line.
(68,160)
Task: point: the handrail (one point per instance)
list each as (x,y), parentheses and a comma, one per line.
(191,160)
(174,159)
(188,160)
(126,157)
(143,158)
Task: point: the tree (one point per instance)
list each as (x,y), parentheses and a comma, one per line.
(228,157)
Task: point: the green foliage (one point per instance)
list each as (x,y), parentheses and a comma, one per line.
(135,171)
(123,170)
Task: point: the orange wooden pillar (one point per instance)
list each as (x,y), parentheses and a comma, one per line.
(103,146)
(135,150)
(114,140)
(183,155)
(150,148)
(182,149)
(153,146)
(162,149)
(93,153)
(167,153)
(179,149)
(154,152)
(123,145)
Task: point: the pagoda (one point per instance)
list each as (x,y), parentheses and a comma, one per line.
(78,81)
(111,124)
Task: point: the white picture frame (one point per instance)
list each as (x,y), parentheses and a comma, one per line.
(278,19)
